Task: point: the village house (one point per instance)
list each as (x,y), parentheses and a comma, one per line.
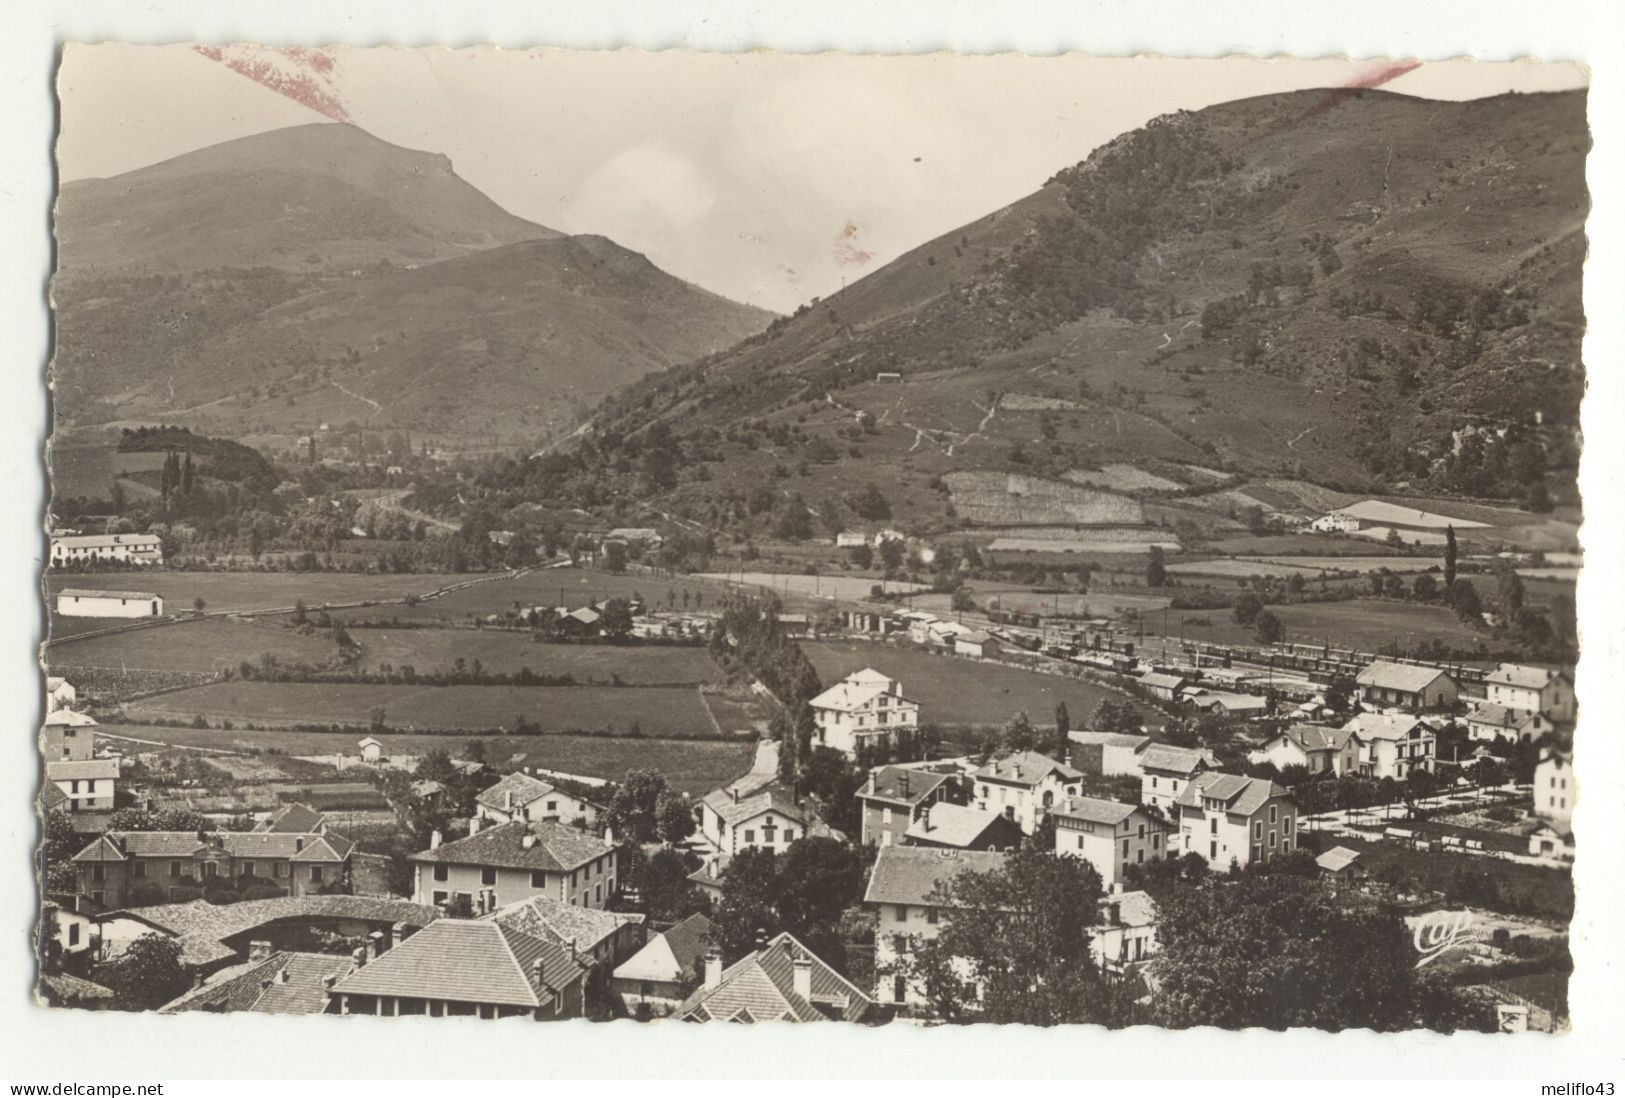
(372,750)
(504,863)
(1335,522)
(140,549)
(895,796)
(851,539)
(1342,865)
(1236,706)
(268,983)
(644,537)
(783,981)
(1166,771)
(1488,722)
(90,785)
(1554,789)
(1406,686)
(667,969)
(518,796)
(962,827)
(903,892)
(293,818)
(178,864)
(1228,818)
(468,968)
(1391,745)
(594,936)
(865,708)
(59,693)
(978,643)
(945,634)
(1541,690)
(1111,754)
(73,932)
(1109,835)
(1024,787)
(769,819)
(75,602)
(68,736)
(1316,749)
(1126,935)
(1162,687)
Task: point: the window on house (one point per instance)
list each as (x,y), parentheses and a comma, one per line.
(902,913)
(1286,825)
(248,869)
(598,892)
(1155,839)
(438,897)
(750,836)
(98,873)
(1213,825)
(316,873)
(1212,851)
(1258,829)
(1080,842)
(789,834)
(538,879)
(488,875)
(281,869)
(1272,840)
(931,915)
(1272,813)
(1125,848)
(552,806)
(139,870)
(73,935)
(442,872)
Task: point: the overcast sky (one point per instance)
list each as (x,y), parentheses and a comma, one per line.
(765,177)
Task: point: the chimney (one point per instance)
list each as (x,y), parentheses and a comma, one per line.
(527,840)
(258,951)
(1114,914)
(298,844)
(474,823)
(197,979)
(359,956)
(329,980)
(801,977)
(397,934)
(434,840)
(375,945)
(713,969)
(735,791)
(761,939)
(902,782)
(282,975)
(507,800)
(570,947)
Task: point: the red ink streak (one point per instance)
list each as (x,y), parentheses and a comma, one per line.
(301,87)
(1351,90)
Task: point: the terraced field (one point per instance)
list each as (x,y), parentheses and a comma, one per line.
(504,653)
(212,644)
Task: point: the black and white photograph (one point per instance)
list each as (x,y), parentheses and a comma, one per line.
(904,541)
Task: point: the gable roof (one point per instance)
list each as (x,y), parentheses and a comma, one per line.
(1313,737)
(774,798)
(910,874)
(71,718)
(1133,908)
(856,691)
(952,824)
(1404,677)
(1240,794)
(468,961)
(292,818)
(59,987)
(760,987)
(1177,760)
(66,770)
(553,847)
(1338,857)
(888,783)
(52,796)
(1523,676)
(524,789)
(1158,680)
(1027,768)
(84,593)
(562,923)
(283,983)
(1096,810)
(1382,726)
(671,956)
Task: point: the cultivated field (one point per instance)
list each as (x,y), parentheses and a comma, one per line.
(253,590)
(657,711)
(846,588)
(1080,545)
(502,652)
(956,693)
(1367,624)
(212,644)
(573,587)
(693,766)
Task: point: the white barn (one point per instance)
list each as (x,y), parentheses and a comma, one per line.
(98,548)
(75,602)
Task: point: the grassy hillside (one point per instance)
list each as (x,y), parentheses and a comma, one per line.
(1361,290)
(318,274)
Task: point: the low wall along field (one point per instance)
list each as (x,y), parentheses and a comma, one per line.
(678,712)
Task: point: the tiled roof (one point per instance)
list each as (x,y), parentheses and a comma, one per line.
(909,874)
(562,923)
(948,824)
(70,718)
(672,955)
(553,847)
(523,788)
(82,593)
(1405,677)
(1095,810)
(1166,682)
(1233,702)
(1501,716)
(1109,739)
(284,983)
(847,696)
(1522,676)
(293,818)
(1240,794)
(1026,768)
(1133,908)
(1178,760)
(889,782)
(65,770)
(313,847)
(1314,737)
(688,941)
(1382,726)
(105,541)
(468,961)
(761,988)
(1338,857)
(59,987)
(776,798)
(52,796)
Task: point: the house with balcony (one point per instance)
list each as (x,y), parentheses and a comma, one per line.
(1229,818)
(1110,835)
(865,709)
(179,865)
(1024,787)
(1392,745)
(904,892)
(504,864)
(1317,749)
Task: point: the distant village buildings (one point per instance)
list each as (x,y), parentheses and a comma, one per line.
(866,708)
(87,549)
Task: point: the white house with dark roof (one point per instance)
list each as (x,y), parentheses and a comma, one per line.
(963,827)
(178,864)
(1109,835)
(783,981)
(467,968)
(769,819)
(1166,771)
(1488,722)
(1229,818)
(1024,786)
(90,785)
(1392,745)
(142,549)
(1386,685)
(505,863)
(1317,749)
(865,708)
(1543,690)
(519,796)
(1554,789)
(903,892)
